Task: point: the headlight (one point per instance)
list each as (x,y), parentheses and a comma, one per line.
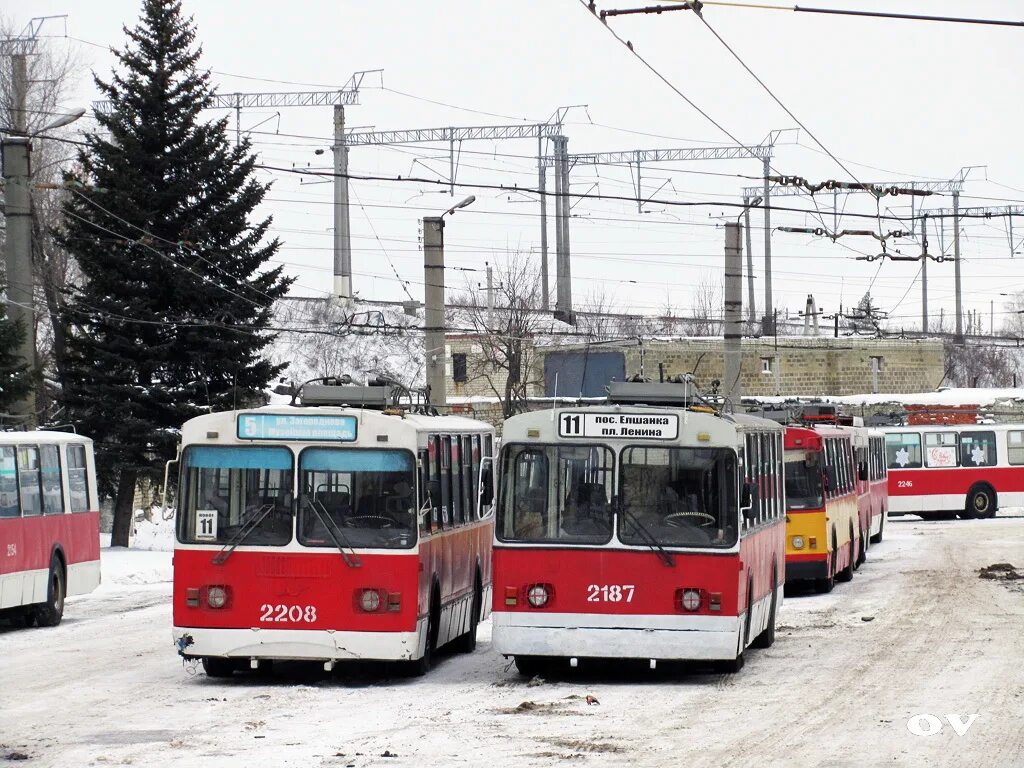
(369,600)
(798,542)
(690,599)
(216,597)
(538,595)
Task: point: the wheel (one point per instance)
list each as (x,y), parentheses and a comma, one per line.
(422,665)
(877,538)
(217,666)
(862,550)
(530,666)
(827,584)
(767,637)
(847,573)
(467,642)
(50,613)
(981,503)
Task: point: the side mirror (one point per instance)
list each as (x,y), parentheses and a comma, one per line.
(486,482)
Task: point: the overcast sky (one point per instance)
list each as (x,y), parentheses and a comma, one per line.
(893,100)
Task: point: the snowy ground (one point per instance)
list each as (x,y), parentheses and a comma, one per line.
(105,687)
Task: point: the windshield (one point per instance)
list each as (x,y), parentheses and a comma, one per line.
(366,495)
(679,496)
(556,494)
(803,483)
(229,490)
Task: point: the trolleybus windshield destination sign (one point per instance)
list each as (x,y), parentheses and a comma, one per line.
(652,426)
(277,426)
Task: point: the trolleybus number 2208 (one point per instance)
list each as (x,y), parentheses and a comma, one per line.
(610,593)
(292,613)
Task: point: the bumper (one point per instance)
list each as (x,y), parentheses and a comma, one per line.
(300,645)
(616,637)
(802,570)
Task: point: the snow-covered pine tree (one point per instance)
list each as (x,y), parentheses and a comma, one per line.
(15,377)
(170,319)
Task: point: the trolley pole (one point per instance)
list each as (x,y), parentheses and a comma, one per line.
(18,255)
(433,295)
(733,314)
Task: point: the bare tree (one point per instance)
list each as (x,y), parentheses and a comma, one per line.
(707,309)
(507,336)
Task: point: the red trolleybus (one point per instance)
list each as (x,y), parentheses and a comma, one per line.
(823,525)
(347,528)
(872,493)
(941,471)
(49,524)
(644,528)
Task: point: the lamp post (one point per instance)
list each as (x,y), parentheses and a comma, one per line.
(433,299)
(17,171)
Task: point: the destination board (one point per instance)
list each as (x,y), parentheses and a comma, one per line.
(314,428)
(643,426)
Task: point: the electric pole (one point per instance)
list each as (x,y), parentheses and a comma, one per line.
(733,330)
(959,337)
(768,325)
(18,254)
(751,310)
(342,239)
(924,274)
(433,296)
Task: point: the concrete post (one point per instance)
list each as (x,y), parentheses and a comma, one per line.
(433,297)
(769,307)
(18,254)
(924,274)
(342,237)
(959,338)
(545,302)
(563,277)
(751,302)
(733,315)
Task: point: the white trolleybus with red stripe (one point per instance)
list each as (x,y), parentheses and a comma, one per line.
(354,526)
(651,527)
(949,470)
(49,524)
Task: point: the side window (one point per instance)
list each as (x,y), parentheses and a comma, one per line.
(28,480)
(78,478)
(476,474)
(903,450)
(437,503)
(1014,447)
(53,490)
(456,475)
(469,499)
(780,478)
(9,506)
(978,449)
(940,449)
(446,481)
(423,460)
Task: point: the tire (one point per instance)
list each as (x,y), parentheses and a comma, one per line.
(218,667)
(467,642)
(422,665)
(846,574)
(862,552)
(827,584)
(530,666)
(981,503)
(767,637)
(877,538)
(49,614)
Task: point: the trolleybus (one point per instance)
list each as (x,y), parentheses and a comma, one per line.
(941,471)
(823,528)
(643,528)
(49,524)
(345,528)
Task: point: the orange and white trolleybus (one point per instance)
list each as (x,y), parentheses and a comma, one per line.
(49,524)
(350,527)
(650,527)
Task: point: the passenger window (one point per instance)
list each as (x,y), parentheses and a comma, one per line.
(458,517)
(78,480)
(53,492)
(940,449)
(9,506)
(469,500)
(28,480)
(1014,447)
(978,449)
(903,450)
(446,481)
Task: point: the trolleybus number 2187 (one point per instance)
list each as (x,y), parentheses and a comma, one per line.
(610,593)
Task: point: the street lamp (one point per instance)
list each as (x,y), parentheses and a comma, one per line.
(433,298)
(17,172)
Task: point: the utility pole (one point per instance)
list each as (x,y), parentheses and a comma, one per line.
(490,293)
(769,318)
(18,254)
(733,315)
(545,301)
(563,270)
(959,338)
(433,296)
(19,91)
(342,239)
(751,310)
(924,274)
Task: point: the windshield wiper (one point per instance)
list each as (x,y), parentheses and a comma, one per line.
(647,536)
(351,558)
(243,533)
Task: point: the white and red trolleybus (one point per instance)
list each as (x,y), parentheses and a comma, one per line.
(872,483)
(941,471)
(49,524)
(644,528)
(347,528)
